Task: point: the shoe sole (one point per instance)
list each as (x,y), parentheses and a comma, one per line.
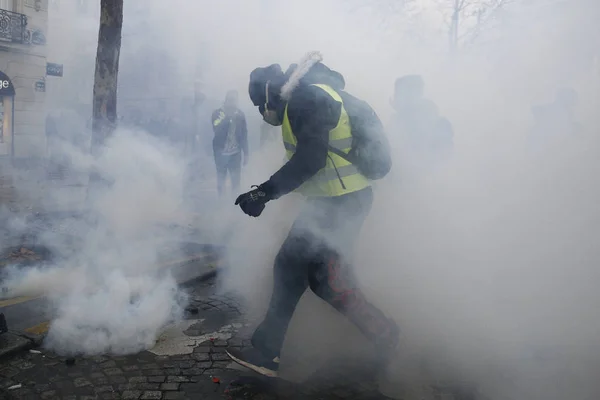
(261,370)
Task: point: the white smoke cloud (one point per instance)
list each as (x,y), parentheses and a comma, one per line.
(112,295)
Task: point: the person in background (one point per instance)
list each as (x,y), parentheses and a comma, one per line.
(555,119)
(426,137)
(229,142)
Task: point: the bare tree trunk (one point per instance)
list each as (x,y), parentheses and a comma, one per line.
(104,117)
(107,69)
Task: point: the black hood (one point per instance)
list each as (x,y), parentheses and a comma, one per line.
(309,71)
(258,81)
(321,74)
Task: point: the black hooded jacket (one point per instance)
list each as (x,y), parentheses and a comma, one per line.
(312,114)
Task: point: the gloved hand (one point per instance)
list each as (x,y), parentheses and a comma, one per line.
(253,202)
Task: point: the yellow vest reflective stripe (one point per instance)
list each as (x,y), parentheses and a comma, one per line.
(339,176)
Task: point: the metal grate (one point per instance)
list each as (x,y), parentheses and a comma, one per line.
(13,27)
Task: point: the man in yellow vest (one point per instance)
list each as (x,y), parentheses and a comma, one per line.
(317,252)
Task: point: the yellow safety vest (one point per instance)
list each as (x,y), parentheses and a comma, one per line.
(328,181)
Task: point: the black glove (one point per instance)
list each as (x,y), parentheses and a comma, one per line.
(253,202)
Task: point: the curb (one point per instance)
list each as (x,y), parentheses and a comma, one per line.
(15,341)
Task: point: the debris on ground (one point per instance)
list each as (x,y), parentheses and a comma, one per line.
(192,310)
(13,387)
(22,254)
(35,351)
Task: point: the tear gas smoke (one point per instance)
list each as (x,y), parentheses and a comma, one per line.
(111,295)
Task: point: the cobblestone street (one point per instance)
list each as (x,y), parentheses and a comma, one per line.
(192,365)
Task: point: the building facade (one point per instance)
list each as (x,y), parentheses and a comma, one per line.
(23,30)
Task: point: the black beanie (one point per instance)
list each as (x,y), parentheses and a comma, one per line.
(258,80)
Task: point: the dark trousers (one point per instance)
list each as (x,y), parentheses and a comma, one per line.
(231,164)
(316,254)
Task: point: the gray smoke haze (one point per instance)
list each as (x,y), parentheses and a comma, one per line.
(487,261)
(111,294)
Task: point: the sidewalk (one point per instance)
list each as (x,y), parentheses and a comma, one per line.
(187,362)
(29,315)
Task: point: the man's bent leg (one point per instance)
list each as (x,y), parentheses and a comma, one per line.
(332,281)
(290,281)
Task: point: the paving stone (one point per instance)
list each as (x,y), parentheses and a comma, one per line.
(50,394)
(138,379)
(174,396)
(223,364)
(117,379)
(101,381)
(202,349)
(147,386)
(81,382)
(186,364)
(235,342)
(172,371)
(220,357)
(131,395)
(108,364)
(103,389)
(201,356)
(25,365)
(150,366)
(153,372)
(157,379)
(113,371)
(192,371)
(131,374)
(220,350)
(169,386)
(9,372)
(152,395)
(41,387)
(178,379)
